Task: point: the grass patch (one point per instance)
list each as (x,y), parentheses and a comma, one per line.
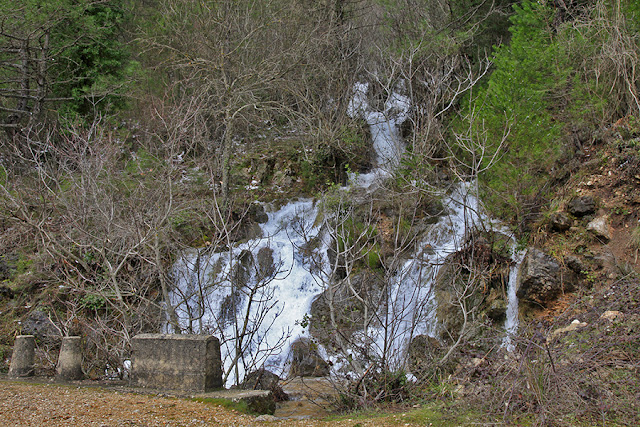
(239,406)
(429,413)
(225,403)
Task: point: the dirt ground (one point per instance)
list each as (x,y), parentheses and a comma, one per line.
(23,404)
(48,405)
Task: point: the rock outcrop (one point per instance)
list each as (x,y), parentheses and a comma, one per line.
(539,278)
(263,379)
(483,289)
(600,228)
(348,310)
(582,206)
(306,361)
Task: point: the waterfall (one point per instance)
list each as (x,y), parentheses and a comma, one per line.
(411,302)
(511,322)
(256,296)
(260,290)
(385,132)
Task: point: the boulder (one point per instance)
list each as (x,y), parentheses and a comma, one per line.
(559,221)
(539,278)
(582,206)
(40,325)
(263,379)
(600,228)
(266,265)
(306,361)
(260,379)
(257,213)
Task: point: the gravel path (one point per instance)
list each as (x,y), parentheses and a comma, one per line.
(54,405)
(47,405)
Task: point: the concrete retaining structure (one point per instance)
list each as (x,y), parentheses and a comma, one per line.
(176,362)
(69,367)
(23,356)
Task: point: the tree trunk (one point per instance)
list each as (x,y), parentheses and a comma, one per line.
(226,157)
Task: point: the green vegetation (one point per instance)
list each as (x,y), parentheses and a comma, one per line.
(550,89)
(253,408)
(240,406)
(518,96)
(72,60)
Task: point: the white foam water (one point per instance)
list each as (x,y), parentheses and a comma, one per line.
(255,297)
(511,322)
(385,133)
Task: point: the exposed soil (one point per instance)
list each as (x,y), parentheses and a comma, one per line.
(48,405)
(25,404)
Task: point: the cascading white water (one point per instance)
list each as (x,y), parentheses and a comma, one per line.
(385,132)
(411,301)
(511,322)
(256,297)
(260,291)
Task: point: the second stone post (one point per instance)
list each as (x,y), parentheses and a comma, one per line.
(70,360)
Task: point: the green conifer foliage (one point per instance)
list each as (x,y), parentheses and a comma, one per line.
(60,56)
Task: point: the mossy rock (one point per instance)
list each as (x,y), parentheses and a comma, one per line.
(348,310)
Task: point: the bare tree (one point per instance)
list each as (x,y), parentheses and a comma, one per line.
(101,223)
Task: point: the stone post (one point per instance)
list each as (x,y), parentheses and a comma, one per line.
(70,360)
(23,356)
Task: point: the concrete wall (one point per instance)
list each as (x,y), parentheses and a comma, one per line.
(176,362)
